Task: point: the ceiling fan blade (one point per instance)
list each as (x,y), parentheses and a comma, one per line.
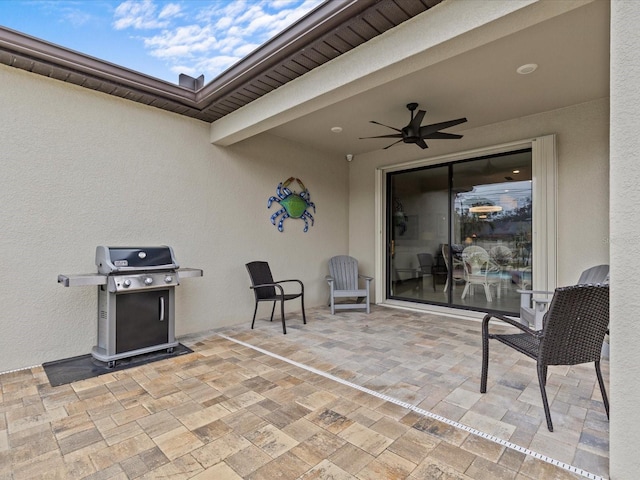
(422,144)
(442,135)
(391,135)
(417,120)
(391,144)
(428,129)
(382,124)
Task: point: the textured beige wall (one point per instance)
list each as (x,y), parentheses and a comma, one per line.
(625,232)
(583,181)
(81,169)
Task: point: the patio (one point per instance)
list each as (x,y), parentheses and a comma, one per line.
(393,394)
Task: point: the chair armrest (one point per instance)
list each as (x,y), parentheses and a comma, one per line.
(262,285)
(368,279)
(293,280)
(535,292)
(331,281)
(544,301)
(510,321)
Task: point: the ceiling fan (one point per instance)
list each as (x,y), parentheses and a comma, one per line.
(414,133)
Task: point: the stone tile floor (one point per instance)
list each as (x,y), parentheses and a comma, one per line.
(343,397)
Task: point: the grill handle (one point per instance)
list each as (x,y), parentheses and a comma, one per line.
(162,309)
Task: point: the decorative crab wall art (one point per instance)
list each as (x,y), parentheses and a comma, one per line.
(293,204)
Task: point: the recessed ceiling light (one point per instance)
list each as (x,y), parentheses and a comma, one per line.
(516,171)
(527,69)
(336,129)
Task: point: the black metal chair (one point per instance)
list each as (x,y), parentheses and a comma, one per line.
(574,329)
(266,289)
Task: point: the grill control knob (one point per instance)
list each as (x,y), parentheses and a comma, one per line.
(127,283)
(148,281)
(168,279)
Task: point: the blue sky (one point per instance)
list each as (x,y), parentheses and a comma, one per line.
(161,38)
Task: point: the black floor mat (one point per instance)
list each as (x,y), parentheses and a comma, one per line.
(61,372)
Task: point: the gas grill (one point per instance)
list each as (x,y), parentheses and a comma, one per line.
(136,299)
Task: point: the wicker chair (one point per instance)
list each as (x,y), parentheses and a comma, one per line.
(266,289)
(574,329)
(480,270)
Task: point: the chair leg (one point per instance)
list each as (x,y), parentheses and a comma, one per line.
(605,400)
(487,292)
(367,300)
(542,380)
(273,309)
(466,289)
(304,317)
(284,327)
(255,310)
(485,355)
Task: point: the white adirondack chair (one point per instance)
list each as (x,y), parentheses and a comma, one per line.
(343,281)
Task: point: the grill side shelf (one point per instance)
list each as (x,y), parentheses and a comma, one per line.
(189,272)
(82,280)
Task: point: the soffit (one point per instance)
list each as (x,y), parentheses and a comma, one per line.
(481,84)
(334,28)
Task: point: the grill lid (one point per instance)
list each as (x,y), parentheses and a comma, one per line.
(130,259)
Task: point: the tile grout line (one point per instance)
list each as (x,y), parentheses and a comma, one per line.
(425,413)
(20,369)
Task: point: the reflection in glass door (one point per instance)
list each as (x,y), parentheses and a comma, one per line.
(460,234)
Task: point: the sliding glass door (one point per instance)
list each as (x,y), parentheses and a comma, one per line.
(459,234)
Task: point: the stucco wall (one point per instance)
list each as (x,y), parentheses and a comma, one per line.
(81,169)
(625,248)
(583,180)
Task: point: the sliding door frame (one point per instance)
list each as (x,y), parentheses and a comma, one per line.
(544,222)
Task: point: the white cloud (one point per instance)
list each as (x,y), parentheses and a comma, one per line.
(137,14)
(183,41)
(212,67)
(246,49)
(224,22)
(279,4)
(170,10)
(77,18)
